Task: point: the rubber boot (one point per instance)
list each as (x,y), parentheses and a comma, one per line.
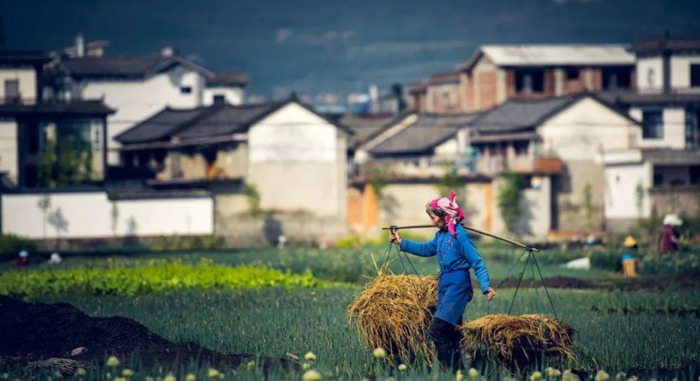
(446,338)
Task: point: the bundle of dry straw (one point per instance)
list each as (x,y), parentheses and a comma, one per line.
(393,312)
(517,340)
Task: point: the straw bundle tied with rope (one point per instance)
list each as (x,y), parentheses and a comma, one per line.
(517,340)
(393,312)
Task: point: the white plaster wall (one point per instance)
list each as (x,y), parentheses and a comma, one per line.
(587,129)
(8,149)
(233,96)
(680,72)
(89,215)
(636,114)
(674,128)
(404,204)
(26,78)
(644,66)
(535,221)
(298,162)
(621,180)
(448,149)
(292,134)
(135,101)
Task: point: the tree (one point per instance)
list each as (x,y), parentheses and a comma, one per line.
(59,223)
(44,204)
(253,198)
(639,193)
(510,200)
(66,163)
(114,214)
(588,203)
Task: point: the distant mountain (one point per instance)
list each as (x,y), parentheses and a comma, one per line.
(337,45)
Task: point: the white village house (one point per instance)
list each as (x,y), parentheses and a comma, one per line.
(138,86)
(555,144)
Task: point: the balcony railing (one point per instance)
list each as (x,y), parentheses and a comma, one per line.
(431,167)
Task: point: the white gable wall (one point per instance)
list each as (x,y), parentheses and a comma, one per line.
(298,162)
(26,79)
(622,180)
(8,149)
(448,149)
(587,128)
(680,72)
(137,100)
(233,95)
(650,74)
(674,128)
(88,214)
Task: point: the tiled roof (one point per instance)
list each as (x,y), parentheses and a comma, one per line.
(22,57)
(549,55)
(125,66)
(423,135)
(229,78)
(198,122)
(517,114)
(367,127)
(658,44)
(227,119)
(74,107)
(636,98)
(203,122)
(442,78)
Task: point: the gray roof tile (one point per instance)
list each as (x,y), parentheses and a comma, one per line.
(423,135)
(196,123)
(518,114)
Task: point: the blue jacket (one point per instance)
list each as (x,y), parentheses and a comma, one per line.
(455,253)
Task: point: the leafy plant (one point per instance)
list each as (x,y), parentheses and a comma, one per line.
(510,200)
(12,243)
(44,204)
(253,199)
(157,275)
(588,204)
(450,182)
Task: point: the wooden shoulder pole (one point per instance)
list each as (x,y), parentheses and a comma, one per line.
(481,232)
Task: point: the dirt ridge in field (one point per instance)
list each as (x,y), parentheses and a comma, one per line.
(33,331)
(641,283)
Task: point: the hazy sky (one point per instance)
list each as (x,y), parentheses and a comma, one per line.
(336,45)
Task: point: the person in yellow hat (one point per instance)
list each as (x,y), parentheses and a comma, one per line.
(629,264)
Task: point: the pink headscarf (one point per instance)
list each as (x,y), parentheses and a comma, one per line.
(448,207)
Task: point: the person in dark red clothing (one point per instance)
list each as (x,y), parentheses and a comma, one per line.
(669,239)
(22,259)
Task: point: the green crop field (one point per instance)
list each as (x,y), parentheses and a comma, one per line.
(298,304)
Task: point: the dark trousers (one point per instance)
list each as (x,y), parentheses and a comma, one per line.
(446,337)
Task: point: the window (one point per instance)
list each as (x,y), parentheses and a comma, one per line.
(185,90)
(658,179)
(617,78)
(695,75)
(219,98)
(12,89)
(529,81)
(572,73)
(652,125)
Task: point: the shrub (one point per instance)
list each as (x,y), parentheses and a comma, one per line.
(156,275)
(178,242)
(12,244)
